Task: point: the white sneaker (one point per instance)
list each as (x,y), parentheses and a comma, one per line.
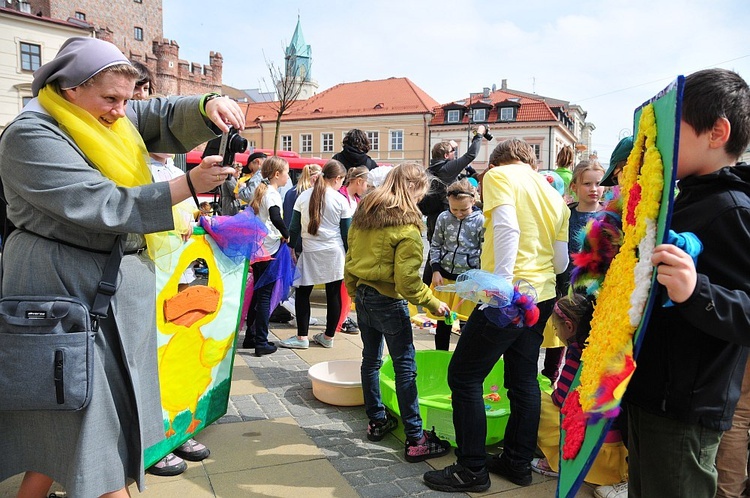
(619,490)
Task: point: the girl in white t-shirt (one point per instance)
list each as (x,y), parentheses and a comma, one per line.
(267,204)
(321,217)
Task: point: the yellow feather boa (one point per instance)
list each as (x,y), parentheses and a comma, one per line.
(118,152)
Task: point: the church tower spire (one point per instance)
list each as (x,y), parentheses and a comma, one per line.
(298,57)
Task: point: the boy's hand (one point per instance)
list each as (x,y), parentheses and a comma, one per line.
(675,271)
(437,278)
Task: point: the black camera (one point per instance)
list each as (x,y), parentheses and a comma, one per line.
(231,143)
(487,136)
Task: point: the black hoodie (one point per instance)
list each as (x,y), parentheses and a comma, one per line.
(692,359)
(351,158)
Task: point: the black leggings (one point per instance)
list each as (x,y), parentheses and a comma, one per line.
(333,308)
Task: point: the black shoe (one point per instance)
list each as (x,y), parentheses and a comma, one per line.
(457,478)
(431,447)
(192,450)
(170,465)
(267,349)
(248,344)
(377,429)
(500,465)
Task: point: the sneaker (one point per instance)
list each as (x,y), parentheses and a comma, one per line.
(501,466)
(457,478)
(170,465)
(349,326)
(323,340)
(269,348)
(541,466)
(430,446)
(377,429)
(619,490)
(192,450)
(295,342)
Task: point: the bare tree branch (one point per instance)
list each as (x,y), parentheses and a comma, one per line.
(288,88)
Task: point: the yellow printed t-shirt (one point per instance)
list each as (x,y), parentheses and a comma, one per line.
(542,219)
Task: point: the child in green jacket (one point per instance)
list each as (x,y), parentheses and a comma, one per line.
(381,275)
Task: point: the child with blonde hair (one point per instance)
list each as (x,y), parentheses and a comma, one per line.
(306,179)
(267,204)
(382,274)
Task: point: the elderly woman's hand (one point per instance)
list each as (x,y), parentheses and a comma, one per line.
(208,175)
(223,111)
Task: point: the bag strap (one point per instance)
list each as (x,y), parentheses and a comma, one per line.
(106,288)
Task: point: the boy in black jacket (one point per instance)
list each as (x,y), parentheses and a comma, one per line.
(690,367)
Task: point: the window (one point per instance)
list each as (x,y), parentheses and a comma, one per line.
(507,114)
(327,142)
(26,100)
(479,115)
(250,143)
(453,116)
(305,143)
(397,139)
(286,142)
(138,33)
(374,138)
(537,151)
(31,56)
(80,15)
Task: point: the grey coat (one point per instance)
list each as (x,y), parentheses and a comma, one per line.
(52,190)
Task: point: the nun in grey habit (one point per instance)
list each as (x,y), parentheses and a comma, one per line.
(69,212)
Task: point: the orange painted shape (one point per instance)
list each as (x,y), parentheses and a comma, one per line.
(190,305)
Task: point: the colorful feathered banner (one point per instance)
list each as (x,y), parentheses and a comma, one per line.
(627,291)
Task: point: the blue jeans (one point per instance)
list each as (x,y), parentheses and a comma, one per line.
(382,317)
(479,348)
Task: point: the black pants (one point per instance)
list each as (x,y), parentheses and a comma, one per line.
(333,308)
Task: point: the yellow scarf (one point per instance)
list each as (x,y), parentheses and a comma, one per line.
(118,152)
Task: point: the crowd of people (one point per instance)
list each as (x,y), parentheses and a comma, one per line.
(357,229)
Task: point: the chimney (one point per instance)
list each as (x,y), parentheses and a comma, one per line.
(504,85)
(485,92)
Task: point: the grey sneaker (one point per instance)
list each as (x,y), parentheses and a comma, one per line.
(295,342)
(323,340)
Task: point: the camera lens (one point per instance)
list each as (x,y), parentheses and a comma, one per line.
(237,143)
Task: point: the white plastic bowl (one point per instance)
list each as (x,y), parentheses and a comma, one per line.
(337,382)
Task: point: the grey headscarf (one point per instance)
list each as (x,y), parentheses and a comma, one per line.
(78,60)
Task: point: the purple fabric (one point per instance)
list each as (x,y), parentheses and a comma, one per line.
(78,60)
(281,273)
(239,236)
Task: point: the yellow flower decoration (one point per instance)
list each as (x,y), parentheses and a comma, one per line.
(610,344)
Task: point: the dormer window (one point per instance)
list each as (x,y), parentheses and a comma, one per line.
(507,114)
(479,115)
(507,110)
(453,116)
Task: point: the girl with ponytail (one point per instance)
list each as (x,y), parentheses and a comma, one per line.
(321,219)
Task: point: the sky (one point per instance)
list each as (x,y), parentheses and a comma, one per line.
(606,56)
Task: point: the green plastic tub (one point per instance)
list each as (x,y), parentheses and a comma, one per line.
(435,395)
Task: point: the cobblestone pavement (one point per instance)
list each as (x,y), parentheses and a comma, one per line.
(376,470)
